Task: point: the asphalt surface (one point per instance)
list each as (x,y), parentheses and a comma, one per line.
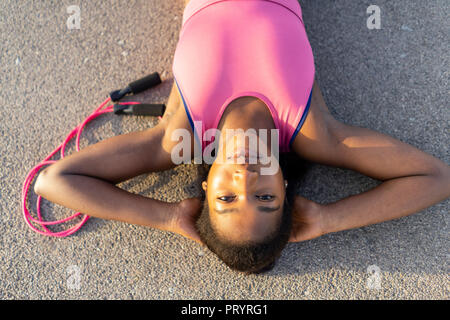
(393,80)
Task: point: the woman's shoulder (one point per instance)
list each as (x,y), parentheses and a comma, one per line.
(315,136)
(178,130)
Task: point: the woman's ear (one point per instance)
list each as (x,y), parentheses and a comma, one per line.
(285,183)
(204,185)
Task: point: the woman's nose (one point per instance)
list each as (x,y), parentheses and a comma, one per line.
(246,177)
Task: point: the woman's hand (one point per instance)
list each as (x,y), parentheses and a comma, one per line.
(184,217)
(307,220)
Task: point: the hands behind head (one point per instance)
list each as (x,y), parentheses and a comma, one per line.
(184,218)
(307,220)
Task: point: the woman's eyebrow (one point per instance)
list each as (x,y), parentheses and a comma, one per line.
(268,209)
(260,208)
(228,210)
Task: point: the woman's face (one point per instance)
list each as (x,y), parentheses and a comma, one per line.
(245,205)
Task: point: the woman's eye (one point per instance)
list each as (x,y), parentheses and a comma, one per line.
(226,198)
(266,197)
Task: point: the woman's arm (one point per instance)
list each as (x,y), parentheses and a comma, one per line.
(85,181)
(412,179)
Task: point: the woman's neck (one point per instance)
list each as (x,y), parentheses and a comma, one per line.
(246,113)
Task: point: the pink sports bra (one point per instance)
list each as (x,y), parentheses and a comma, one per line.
(233,48)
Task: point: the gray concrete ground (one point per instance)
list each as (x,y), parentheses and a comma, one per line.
(393,80)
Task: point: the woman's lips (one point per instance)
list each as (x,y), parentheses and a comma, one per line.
(243,153)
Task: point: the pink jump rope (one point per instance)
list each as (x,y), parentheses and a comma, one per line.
(134,108)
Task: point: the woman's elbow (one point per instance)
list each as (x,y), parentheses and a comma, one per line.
(441,176)
(44,181)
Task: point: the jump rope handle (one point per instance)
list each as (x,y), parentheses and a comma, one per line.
(133,88)
(136,86)
(154,110)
